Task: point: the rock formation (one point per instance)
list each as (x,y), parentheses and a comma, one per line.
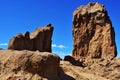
(40,40)
(93,54)
(35,65)
(93,34)
(28,65)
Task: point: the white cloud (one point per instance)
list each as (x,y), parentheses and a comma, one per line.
(54,45)
(61,46)
(58,46)
(62,54)
(3,44)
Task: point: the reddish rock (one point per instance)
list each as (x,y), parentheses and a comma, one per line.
(40,40)
(93,34)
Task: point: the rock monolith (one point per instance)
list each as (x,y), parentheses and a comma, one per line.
(93,33)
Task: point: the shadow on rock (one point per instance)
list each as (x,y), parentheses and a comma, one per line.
(73,61)
(64,76)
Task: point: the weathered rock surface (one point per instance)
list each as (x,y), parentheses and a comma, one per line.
(78,73)
(28,65)
(109,69)
(40,40)
(100,69)
(93,34)
(35,65)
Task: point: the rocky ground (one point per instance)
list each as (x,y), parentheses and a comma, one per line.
(28,65)
(102,70)
(79,73)
(35,65)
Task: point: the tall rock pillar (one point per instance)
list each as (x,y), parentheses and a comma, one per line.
(93,34)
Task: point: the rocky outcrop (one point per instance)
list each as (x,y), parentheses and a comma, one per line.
(93,34)
(28,65)
(40,40)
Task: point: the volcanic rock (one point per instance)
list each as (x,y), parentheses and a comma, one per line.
(28,65)
(93,34)
(40,40)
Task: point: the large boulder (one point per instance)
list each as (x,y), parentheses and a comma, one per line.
(40,39)
(28,65)
(93,34)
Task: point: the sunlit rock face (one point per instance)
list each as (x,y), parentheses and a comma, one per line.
(93,34)
(40,39)
(28,65)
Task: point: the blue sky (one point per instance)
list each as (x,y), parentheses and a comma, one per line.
(18,16)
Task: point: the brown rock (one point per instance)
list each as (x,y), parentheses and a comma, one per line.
(109,69)
(40,40)
(28,65)
(93,34)
(78,73)
(17,42)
